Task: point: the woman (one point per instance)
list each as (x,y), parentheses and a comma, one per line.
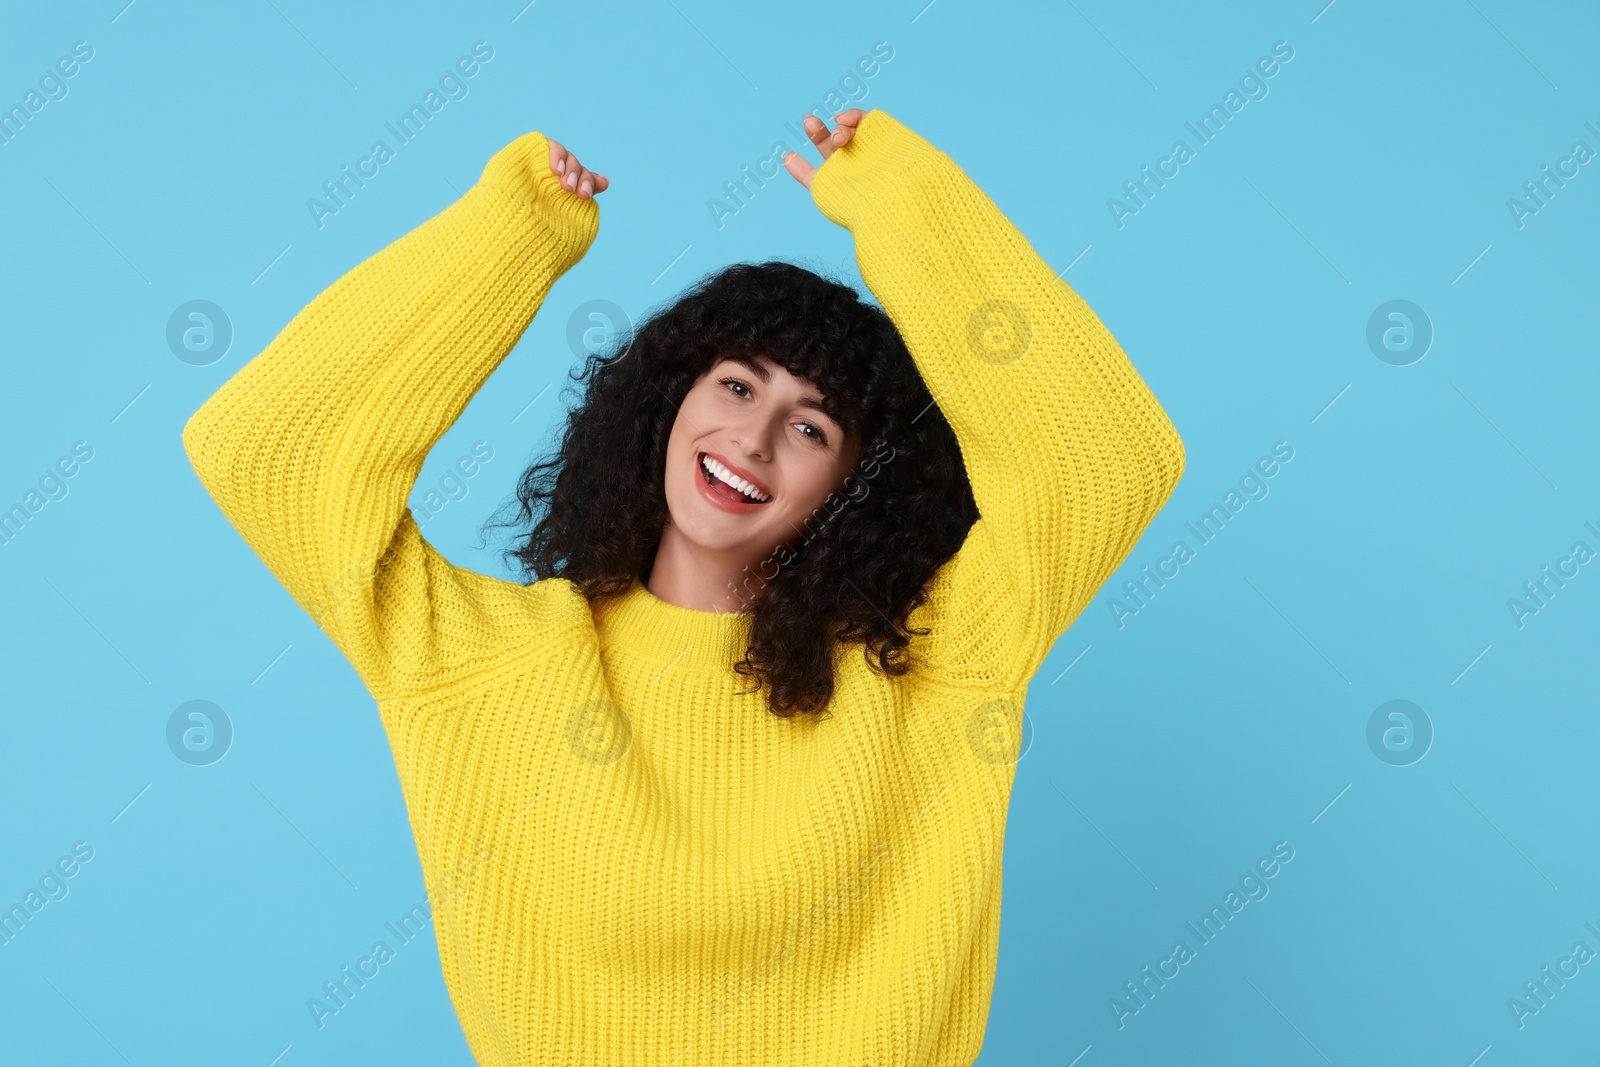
(630,858)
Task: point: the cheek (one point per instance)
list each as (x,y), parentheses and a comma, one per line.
(814,483)
(696,416)
(683,426)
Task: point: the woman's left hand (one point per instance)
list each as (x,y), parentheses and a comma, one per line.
(827,143)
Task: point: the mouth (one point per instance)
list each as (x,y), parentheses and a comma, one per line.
(727,490)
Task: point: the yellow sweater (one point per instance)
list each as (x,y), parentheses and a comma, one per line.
(629,863)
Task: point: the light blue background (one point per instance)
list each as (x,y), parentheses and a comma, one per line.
(1223,718)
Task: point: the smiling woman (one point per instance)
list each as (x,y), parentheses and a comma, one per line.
(665,868)
(768,377)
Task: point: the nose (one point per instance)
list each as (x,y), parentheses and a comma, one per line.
(754,436)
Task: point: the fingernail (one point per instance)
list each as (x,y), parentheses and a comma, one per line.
(561,166)
(588,187)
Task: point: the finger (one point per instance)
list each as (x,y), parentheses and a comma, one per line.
(848,122)
(564,164)
(586,182)
(797,165)
(817,130)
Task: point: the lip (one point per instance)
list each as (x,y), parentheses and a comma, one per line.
(740,471)
(736,506)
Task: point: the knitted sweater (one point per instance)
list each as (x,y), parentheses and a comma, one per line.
(628,862)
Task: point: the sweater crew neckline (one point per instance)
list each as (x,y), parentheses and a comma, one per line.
(638,621)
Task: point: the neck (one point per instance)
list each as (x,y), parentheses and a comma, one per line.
(689,576)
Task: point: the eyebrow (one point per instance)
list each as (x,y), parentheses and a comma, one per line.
(766,376)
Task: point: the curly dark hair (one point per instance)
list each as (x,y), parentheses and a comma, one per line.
(600,501)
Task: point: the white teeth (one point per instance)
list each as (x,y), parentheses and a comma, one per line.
(727,477)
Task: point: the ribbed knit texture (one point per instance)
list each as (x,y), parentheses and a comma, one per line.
(629,863)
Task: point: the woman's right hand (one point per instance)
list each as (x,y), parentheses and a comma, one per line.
(845,125)
(574,177)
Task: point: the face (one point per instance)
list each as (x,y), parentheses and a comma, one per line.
(754,421)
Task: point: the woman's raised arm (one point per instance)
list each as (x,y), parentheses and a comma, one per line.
(1069,454)
(312,448)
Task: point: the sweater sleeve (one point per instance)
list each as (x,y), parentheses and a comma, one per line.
(312,448)
(1069,454)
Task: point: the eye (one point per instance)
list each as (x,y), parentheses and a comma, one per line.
(816,434)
